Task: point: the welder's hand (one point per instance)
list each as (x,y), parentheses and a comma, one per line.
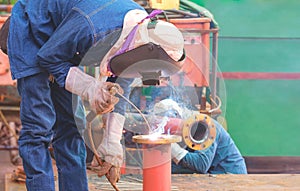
(177,153)
(98,94)
(111,172)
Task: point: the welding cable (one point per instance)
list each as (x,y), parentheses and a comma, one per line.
(89,127)
(137,109)
(11,98)
(114,90)
(218,105)
(92,115)
(8,126)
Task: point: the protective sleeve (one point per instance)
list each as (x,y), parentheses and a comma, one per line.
(65,48)
(200,161)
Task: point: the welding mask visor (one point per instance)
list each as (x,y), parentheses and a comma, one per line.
(146,47)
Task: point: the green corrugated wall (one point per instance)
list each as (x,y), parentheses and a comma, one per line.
(260,36)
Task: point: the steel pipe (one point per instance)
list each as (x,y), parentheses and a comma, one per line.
(156,160)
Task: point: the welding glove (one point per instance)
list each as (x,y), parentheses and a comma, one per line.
(177,153)
(110,148)
(111,172)
(97,93)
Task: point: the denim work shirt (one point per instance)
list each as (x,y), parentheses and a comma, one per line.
(221,157)
(54,35)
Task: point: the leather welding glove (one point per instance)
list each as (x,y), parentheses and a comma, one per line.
(111,172)
(110,148)
(177,153)
(97,93)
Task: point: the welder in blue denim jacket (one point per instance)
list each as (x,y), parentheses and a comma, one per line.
(222,157)
(51,37)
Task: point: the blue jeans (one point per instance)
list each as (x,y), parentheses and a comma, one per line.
(47,117)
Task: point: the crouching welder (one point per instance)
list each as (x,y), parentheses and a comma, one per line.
(52,37)
(220,154)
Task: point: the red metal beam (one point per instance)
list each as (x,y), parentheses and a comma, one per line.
(260,75)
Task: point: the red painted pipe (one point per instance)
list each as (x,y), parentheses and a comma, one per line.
(156,160)
(157,168)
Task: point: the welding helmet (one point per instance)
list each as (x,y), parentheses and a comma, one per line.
(168,108)
(150,45)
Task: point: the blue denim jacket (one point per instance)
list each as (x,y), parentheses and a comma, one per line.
(221,157)
(54,35)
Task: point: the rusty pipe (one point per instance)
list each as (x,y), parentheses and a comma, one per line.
(8,148)
(6,8)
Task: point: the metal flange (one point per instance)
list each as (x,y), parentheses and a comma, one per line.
(199,131)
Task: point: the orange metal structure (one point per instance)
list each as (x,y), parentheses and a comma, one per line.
(5,75)
(200,65)
(197,45)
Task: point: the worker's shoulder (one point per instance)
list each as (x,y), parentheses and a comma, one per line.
(108,8)
(222,133)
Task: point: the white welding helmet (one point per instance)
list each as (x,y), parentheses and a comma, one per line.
(147,44)
(168,108)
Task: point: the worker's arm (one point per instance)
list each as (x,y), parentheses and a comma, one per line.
(61,55)
(199,161)
(65,47)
